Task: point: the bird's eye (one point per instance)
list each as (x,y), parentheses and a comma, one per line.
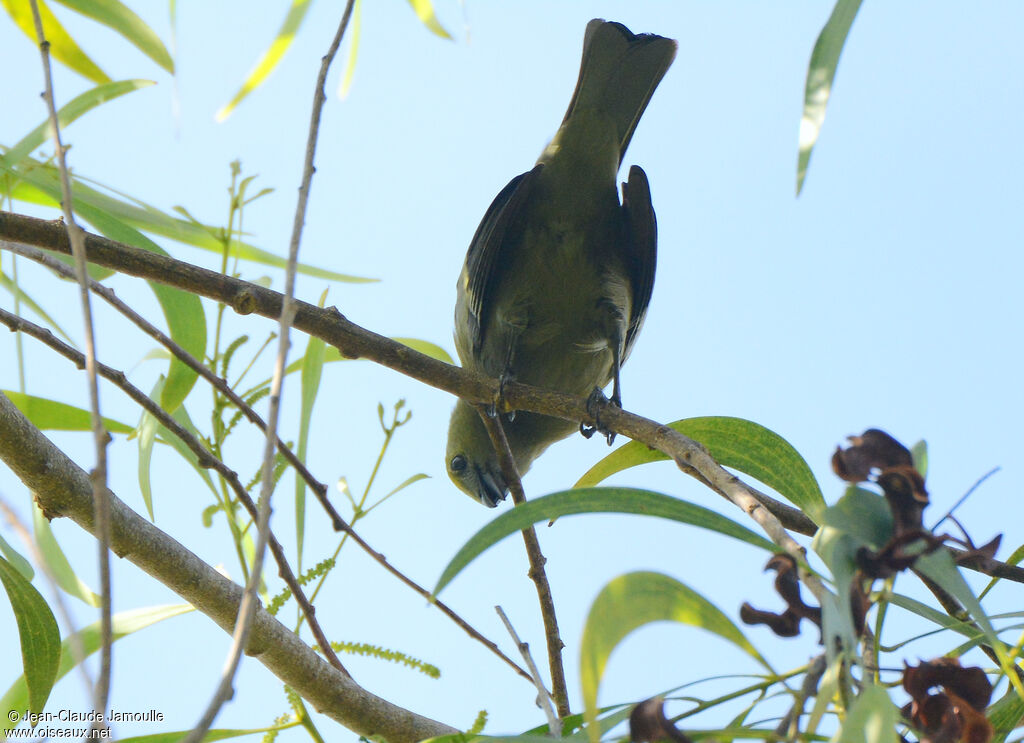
(458,463)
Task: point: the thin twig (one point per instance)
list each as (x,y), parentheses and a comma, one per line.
(536,558)
(203,455)
(247,612)
(218,383)
(543,695)
(101,438)
(206,459)
(63,490)
(789,726)
(965,496)
(354,341)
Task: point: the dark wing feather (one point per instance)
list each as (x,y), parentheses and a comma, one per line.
(499,230)
(641,248)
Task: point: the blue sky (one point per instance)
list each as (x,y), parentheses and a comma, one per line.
(886,295)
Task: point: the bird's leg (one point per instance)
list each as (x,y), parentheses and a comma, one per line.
(506,376)
(499,400)
(597,399)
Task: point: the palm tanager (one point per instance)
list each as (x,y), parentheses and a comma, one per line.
(559,274)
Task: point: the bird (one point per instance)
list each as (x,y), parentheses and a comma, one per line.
(559,274)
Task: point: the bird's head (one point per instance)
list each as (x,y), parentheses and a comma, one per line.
(472,463)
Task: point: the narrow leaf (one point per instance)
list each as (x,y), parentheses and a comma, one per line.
(148,426)
(25,299)
(50,415)
(939,567)
(312,369)
(14,557)
(62,47)
(122,19)
(44,179)
(182,417)
(211,735)
(425,347)
(1015,557)
(821,71)
(57,563)
(354,32)
(89,640)
(183,311)
(271,57)
(594,500)
(333,354)
(733,442)
(406,483)
(1006,715)
(38,633)
(424,10)
(69,112)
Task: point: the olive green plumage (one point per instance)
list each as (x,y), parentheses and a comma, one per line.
(559,274)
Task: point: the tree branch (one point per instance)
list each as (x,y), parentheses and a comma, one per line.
(245,615)
(62,488)
(354,341)
(537,574)
(206,459)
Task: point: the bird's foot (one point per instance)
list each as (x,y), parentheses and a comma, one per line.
(596,402)
(498,404)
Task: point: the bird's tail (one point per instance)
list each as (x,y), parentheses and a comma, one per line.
(619,73)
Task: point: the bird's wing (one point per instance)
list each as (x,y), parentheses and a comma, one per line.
(641,249)
(498,232)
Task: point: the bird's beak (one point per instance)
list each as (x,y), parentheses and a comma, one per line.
(492,487)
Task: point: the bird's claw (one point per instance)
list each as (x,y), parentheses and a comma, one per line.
(498,404)
(595,402)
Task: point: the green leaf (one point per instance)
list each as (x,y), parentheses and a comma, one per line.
(941,618)
(919,456)
(89,640)
(872,718)
(70,111)
(594,500)
(1005,715)
(182,417)
(57,563)
(355,31)
(405,483)
(733,442)
(333,354)
(14,557)
(50,415)
(183,311)
(148,426)
(939,567)
(44,179)
(271,57)
(628,603)
(16,291)
(39,635)
(828,687)
(312,369)
(1016,556)
(62,47)
(425,347)
(211,735)
(821,71)
(424,10)
(859,518)
(116,16)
